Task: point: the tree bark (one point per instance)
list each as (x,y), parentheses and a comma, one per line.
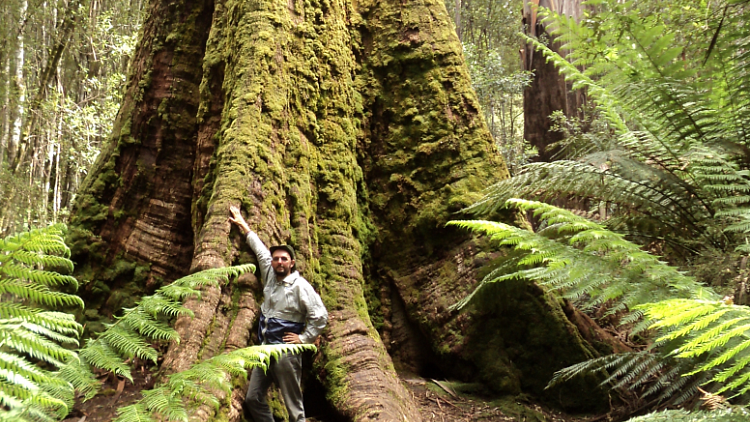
(347,129)
(548,92)
(20,86)
(5,109)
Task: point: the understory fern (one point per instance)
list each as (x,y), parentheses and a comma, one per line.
(131,334)
(201,383)
(733,414)
(675,167)
(41,373)
(651,374)
(713,335)
(34,337)
(671,170)
(701,341)
(582,260)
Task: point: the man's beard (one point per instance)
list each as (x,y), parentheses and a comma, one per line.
(282,271)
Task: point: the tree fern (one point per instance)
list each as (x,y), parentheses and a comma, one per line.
(201,382)
(674,169)
(31,334)
(582,260)
(665,114)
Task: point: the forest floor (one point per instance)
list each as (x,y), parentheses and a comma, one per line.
(437,401)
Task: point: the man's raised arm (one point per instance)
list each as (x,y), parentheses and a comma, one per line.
(257,245)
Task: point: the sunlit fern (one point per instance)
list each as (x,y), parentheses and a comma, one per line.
(714,336)
(732,414)
(186,390)
(582,260)
(33,337)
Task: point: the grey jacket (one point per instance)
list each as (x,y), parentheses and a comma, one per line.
(292,299)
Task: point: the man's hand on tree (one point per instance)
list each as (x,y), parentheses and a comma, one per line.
(291,338)
(237,219)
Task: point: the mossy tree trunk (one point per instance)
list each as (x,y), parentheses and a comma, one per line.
(347,129)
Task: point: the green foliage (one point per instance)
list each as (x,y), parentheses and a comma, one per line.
(33,339)
(713,335)
(488,31)
(499,89)
(131,335)
(201,383)
(58,108)
(734,414)
(582,260)
(650,373)
(667,166)
(668,162)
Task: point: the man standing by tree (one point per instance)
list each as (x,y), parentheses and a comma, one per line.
(291,313)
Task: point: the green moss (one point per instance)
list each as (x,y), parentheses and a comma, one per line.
(525,326)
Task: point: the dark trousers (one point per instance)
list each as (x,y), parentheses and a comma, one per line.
(286,373)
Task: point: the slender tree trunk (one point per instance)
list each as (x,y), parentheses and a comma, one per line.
(457,19)
(20,86)
(62,36)
(5,109)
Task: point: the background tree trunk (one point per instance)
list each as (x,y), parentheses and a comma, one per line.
(20,86)
(349,130)
(548,91)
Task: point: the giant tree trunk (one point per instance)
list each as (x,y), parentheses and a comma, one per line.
(347,129)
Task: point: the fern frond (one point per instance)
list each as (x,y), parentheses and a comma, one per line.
(30,335)
(580,258)
(80,376)
(23,339)
(734,414)
(716,329)
(100,355)
(201,382)
(127,343)
(128,336)
(665,200)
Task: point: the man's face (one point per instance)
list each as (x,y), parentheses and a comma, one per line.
(282,263)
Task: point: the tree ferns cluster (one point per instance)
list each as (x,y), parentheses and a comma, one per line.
(669,171)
